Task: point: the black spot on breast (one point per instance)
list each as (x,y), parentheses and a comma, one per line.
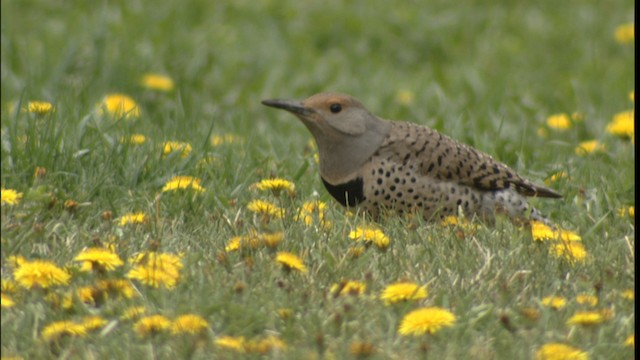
(348,194)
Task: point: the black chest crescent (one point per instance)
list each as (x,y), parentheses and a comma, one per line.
(348,194)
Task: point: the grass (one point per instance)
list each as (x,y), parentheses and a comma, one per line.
(486,74)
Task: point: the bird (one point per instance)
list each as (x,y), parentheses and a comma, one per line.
(380,165)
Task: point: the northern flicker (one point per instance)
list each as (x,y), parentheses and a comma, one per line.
(405,167)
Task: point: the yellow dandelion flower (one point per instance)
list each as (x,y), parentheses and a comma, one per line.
(65,301)
(572,251)
(159,259)
(559,121)
(234,244)
(40,273)
(189,323)
(15,261)
(275,185)
(264,346)
(589,147)
(370,235)
(405,97)
(119,287)
(153,276)
(71,205)
(91,323)
(586,299)
(217,140)
(586,318)
(622,125)
(265,207)
(88,294)
(348,287)
(8,285)
(425,320)
(133,312)
(632,95)
(630,341)
(151,325)
(361,349)
(356,251)
(10,197)
(155,269)
(627,211)
(284,313)
(176,146)
(557,351)
(313,209)
(460,222)
(134,139)
(290,261)
(6,301)
(252,241)
(530,313)
(58,329)
(106,215)
(625,33)
(120,106)
(629,294)
(39,172)
(231,342)
(157,82)
(98,259)
(403,291)
(449,221)
(40,107)
(561,175)
(540,232)
(271,240)
(607,313)
(183,182)
(133,218)
(555,302)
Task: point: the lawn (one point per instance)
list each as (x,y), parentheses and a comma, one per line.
(138,219)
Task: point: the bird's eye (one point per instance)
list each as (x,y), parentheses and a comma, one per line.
(335,108)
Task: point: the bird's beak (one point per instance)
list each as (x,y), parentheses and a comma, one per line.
(291,106)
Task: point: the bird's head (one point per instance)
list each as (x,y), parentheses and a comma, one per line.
(347,134)
(329,115)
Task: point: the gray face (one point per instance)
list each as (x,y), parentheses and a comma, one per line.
(331,115)
(347,134)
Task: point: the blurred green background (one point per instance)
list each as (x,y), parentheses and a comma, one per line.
(488,73)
